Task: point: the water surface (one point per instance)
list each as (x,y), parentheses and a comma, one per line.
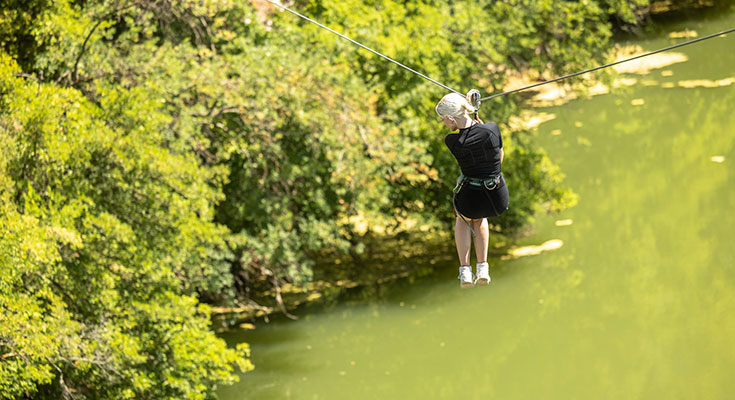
(639,303)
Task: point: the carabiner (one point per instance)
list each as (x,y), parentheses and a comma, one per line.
(473,97)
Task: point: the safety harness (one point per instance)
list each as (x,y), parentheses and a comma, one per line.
(488,184)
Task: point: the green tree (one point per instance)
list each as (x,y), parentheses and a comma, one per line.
(106,237)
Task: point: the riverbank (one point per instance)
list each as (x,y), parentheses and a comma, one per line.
(384,262)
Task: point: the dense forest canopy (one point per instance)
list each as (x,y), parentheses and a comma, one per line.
(157,156)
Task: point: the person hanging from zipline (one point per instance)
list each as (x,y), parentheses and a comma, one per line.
(480,192)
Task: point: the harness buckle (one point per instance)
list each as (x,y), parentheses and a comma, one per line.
(493,182)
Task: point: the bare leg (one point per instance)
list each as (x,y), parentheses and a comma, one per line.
(463,239)
(482,237)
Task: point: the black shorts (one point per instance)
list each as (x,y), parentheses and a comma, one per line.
(476,202)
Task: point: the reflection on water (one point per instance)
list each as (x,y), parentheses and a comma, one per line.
(637,304)
(534,250)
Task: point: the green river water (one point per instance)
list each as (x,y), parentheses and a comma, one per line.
(638,303)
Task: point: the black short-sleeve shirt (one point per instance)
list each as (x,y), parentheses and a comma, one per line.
(477,149)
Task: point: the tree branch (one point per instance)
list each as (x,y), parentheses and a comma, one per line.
(74,75)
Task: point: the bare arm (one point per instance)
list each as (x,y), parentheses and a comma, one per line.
(502,153)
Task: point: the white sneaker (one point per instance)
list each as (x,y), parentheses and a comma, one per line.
(465,277)
(483,274)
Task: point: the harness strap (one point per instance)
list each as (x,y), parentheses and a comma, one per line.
(460,183)
(454,204)
(488,183)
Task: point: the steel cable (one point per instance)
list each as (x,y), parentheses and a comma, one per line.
(510,91)
(610,64)
(361,45)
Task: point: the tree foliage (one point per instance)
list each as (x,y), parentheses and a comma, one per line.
(106,238)
(157,155)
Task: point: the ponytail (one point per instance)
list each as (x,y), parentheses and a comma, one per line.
(453,105)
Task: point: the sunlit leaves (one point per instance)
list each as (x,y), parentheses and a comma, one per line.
(104,230)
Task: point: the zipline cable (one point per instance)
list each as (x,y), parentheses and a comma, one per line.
(361,45)
(611,64)
(510,91)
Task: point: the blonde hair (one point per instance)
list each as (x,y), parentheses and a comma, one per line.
(453,105)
